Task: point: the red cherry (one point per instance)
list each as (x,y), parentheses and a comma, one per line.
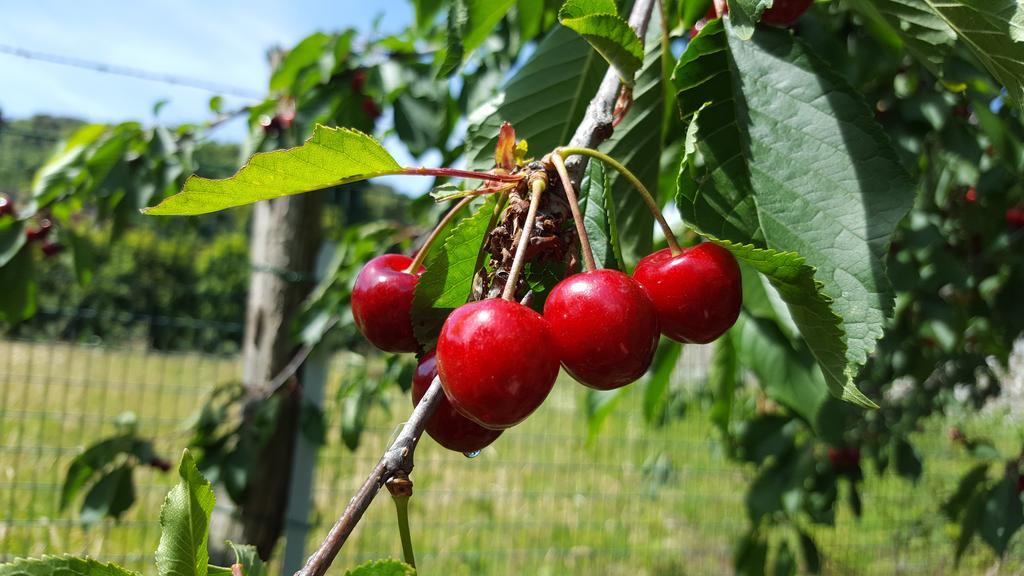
(971,195)
(447,427)
(497,361)
(1020,484)
(785,12)
(605,327)
(358,80)
(852,457)
(41,232)
(1015,217)
(51,249)
(700,24)
(835,456)
(370,108)
(6,206)
(697,292)
(382,303)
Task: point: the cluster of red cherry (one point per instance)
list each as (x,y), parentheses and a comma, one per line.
(33,235)
(498,359)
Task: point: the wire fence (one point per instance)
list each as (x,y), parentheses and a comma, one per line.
(546,498)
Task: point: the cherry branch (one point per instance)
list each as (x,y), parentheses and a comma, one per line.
(596,127)
(397,459)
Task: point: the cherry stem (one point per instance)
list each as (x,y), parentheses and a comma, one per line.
(537,187)
(652,205)
(574,206)
(400,487)
(422,254)
(456,173)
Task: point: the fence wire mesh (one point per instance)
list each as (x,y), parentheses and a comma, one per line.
(546,498)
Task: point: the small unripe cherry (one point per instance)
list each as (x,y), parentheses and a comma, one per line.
(605,327)
(447,426)
(698,292)
(497,361)
(382,303)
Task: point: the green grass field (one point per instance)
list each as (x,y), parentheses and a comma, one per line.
(540,501)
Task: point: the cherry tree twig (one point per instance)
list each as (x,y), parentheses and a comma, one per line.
(596,127)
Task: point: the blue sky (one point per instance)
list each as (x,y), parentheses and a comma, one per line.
(222,41)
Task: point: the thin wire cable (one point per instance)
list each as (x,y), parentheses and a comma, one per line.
(138,73)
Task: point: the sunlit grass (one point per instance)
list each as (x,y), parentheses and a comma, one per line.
(540,501)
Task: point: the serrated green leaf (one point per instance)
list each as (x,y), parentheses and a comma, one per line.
(382,568)
(332,156)
(637,143)
(544,101)
(793,167)
(994,31)
(448,281)
(62,566)
(599,216)
(598,21)
(744,14)
(185,523)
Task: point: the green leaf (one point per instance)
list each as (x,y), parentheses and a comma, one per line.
(994,31)
(791,168)
(298,62)
(248,557)
(19,297)
(744,14)
(666,358)
(448,281)
(751,556)
(470,22)
(924,34)
(184,523)
(85,256)
(62,566)
(970,484)
(809,550)
(907,461)
(12,238)
(544,101)
(599,216)
(111,496)
(974,515)
(598,21)
(1004,514)
(426,10)
(598,405)
(785,562)
(90,463)
(382,568)
(637,143)
(723,377)
(332,156)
